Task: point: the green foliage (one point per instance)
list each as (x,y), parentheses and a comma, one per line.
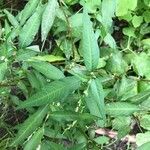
(71,67)
(47,69)
(48,17)
(30,125)
(90,50)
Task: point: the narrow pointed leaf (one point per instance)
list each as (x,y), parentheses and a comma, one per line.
(28,11)
(35,140)
(55,91)
(140,97)
(48,17)
(29,126)
(95,99)
(47,69)
(11,18)
(3,69)
(121,109)
(30,29)
(90,49)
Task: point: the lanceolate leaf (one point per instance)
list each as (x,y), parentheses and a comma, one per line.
(48,17)
(28,10)
(29,126)
(3,69)
(30,29)
(35,140)
(47,69)
(95,99)
(11,18)
(55,91)
(121,109)
(140,97)
(71,116)
(90,49)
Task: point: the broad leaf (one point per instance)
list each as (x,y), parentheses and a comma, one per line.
(48,17)
(122,124)
(116,64)
(90,49)
(95,99)
(47,69)
(145,121)
(142,138)
(121,109)
(141,64)
(35,140)
(144,146)
(123,6)
(137,20)
(29,126)
(54,91)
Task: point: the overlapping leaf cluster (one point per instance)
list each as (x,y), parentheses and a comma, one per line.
(76,65)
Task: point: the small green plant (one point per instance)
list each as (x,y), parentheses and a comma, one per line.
(73,66)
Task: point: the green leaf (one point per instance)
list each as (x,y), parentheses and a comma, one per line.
(140,97)
(129,31)
(142,138)
(47,69)
(28,11)
(35,140)
(11,18)
(122,124)
(33,80)
(127,88)
(141,63)
(91,5)
(71,116)
(108,10)
(102,140)
(29,126)
(145,122)
(47,145)
(48,17)
(25,54)
(147,2)
(144,146)
(90,49)
(53,134)
(49,58)
(121,109)
(54,91)
(116,64)
(123,6)
(146,16)
(95,99)
(137,20)
(110,41)
(3,69)
(146,43)
(30,29)
(78,146)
